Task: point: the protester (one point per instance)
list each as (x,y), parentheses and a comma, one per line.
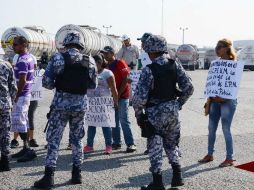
(143,57)
(44,60)
(106,87)
(129,53)
(8,90)
(71,73)
(32,107)
(156,109)
(24,74)
(121,73)
(221,108)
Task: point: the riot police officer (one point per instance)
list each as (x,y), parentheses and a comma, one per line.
(71,73)
(156,102)
(7,96)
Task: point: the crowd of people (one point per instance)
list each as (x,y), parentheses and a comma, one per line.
(162,90)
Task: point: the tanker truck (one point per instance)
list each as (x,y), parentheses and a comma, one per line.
(94,39)
(246,55)
(39,41)
(210,55)
(187,55)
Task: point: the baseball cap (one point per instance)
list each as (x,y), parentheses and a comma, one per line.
(107,49)
(125,37)
(145,36)
(155,43)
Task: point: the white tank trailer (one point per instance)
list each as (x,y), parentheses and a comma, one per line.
(94,39)
(39,41)
(187,55)
(246,55)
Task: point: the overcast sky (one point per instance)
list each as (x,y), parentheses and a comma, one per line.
(207,20)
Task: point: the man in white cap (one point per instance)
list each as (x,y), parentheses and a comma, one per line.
(129,53)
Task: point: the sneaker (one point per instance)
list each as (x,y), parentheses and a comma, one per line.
(116,146)
(227,163)
(28,156)
(108,149)
(14,143)
(88,149)
(131,148)
(20,153)
(206,159)
(33,143)
(68,147)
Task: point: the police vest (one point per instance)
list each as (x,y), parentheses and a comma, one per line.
(74,78)
(164,83)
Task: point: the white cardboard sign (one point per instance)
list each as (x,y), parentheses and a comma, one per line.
(100,112)
(36,92)
(223,79)
(134,76)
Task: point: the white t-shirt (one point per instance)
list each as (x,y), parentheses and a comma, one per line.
(102,88)
(145,60)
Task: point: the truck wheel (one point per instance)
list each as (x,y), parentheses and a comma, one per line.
(192,67)
(197,66)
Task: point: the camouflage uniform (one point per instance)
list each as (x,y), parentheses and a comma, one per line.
(8,90)
(163,116)
(67,106)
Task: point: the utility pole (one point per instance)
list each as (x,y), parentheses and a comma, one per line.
(183,30)
(162,17)
(107,27)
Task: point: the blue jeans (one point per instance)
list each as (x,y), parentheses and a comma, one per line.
(225,111)
(122,116)
(106,133)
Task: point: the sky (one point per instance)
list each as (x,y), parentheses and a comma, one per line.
(207,20)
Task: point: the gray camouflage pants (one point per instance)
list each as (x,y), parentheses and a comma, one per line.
(165,119)
(57,122)
(5,124)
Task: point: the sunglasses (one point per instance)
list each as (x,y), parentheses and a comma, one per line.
(220,46)
(15,44)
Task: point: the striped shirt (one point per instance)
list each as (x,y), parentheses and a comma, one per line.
(25,65)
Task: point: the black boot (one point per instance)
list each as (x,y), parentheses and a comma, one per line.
(47,181)
(177,179)
(4,164)
(76,177)
(157,183)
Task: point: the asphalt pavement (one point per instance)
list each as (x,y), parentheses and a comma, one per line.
(122,170)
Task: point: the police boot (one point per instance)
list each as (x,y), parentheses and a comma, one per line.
(76,177)
(47,181)
(4,164)
(157,183)
(177,179)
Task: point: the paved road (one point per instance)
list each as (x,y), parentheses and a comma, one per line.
(130,171)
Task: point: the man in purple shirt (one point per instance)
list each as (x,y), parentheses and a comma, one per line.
(24,74)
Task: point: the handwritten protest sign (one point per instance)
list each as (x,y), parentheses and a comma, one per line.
(36,92)
(134,76)
(223,79)
(100,112)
